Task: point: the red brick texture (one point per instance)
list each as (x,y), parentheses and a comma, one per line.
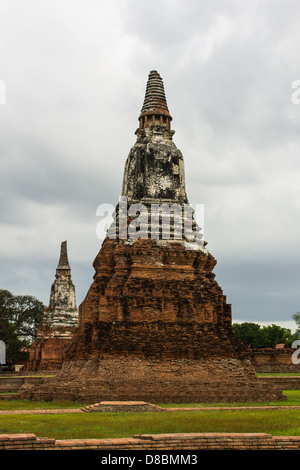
(160,381)
(274,360)
(173,442)
(47,353)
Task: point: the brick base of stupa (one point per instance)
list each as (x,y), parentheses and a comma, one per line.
(47,354)
(156,363)
(155,327)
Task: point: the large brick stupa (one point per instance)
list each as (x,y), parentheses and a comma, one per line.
(155,325)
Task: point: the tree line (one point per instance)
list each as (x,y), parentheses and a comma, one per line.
(257,336)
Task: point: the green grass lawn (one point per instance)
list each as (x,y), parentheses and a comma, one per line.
(110,425)
(38,405)
(293,399)
(278,374)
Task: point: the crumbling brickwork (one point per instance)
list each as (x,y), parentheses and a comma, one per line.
(155,442)
(275,360)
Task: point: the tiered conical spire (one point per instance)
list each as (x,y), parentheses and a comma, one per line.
(63,260)
(155,109)
(63,267)
(155,99)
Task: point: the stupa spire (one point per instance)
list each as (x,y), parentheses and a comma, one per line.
(155,109)
(63,267)
(63,259)
(59,322)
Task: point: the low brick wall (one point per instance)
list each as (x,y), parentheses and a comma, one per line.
(14,383)
(283,383)
(171,442)
(273,360)
(122,406)
(25,442)
(10,384)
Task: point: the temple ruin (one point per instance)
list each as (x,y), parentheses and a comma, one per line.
(59,322)
(155,325)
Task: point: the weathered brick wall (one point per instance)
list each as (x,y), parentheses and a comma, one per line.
(274,360)
(25,442)
(169,380)
(13,383)
(172,442)
(156,340)
(284,383)
(151,281)
(10,384)
(47,353)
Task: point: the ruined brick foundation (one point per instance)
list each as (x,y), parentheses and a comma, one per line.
(46,354)
(164,381)
(275,360)
(156,442)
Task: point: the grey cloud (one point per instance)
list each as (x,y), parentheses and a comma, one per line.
(258,289)
(75,76)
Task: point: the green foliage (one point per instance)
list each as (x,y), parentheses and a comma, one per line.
(274,334)
(296,318)
(20,315)
(249,334)
(263,336)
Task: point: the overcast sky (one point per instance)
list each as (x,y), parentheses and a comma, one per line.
(74,74)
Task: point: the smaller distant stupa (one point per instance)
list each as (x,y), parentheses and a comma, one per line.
(59,323)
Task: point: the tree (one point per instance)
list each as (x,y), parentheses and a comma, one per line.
(248,333)
(20,316)
(274,334)
(263,336)
(296,318)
